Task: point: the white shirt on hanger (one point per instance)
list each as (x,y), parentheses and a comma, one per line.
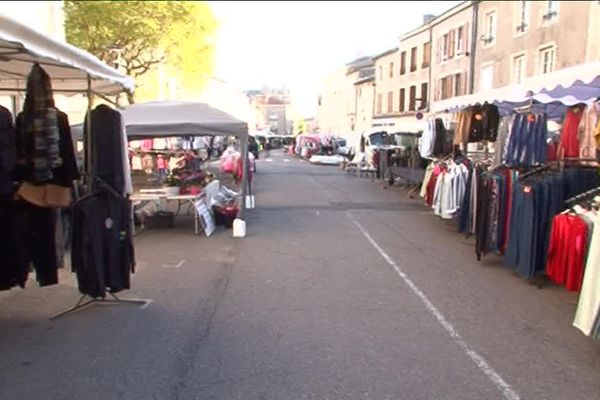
(589,298)
(125,159)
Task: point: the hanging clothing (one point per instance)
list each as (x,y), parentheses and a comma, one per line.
(463,126)
(535,202)
(8,150)
(440,147)
(128,183)
(588,308)
(484,123)
(527,140)
(35,230)
(426,179)
(9,267)
(428,139)
(596,134)
(449,190)
(569,137)
(38,126)
(102,251)
(136,163)
(108,157)
(43,139)
(587,141)
(430,192)
(147,144)
(504,127)
(160,144)
(489,122)
(567,251)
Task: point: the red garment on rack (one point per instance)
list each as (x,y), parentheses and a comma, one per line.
(569,137)
(552,151)
(567,251)
(431,185)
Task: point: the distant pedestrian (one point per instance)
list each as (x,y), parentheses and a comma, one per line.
(267,149)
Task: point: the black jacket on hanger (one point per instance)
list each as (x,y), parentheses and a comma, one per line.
(8,151)
(440,147)
(102,248)
(107,146)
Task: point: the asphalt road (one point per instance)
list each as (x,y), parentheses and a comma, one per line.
(342,290)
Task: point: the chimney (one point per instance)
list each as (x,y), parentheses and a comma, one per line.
(427,18)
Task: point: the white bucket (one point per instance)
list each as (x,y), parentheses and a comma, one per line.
(250,201)
(239,228)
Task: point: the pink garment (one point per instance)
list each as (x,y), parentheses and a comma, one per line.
(587,141)
(161,163)
(147,144)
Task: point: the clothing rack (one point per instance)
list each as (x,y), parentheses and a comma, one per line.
(114,300)
(81,304)
(90,93)
(583,195)
(539,169)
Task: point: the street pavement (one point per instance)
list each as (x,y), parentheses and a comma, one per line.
(341,290)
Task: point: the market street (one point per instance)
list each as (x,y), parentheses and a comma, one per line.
(341,290)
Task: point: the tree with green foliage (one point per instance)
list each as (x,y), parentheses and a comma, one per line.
(142,34)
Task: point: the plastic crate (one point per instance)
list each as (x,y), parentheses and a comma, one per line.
(160,220)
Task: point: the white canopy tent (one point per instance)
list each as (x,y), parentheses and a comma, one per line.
(553,92)
(180,118)
(72,70)
(158,119)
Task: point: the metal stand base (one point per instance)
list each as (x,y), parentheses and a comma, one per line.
(81,304)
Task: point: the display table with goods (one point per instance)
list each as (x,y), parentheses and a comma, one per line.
(152,206)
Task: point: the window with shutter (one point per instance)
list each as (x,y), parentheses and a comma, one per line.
(424,95)
(458,85)
(438,51)
(451,43)
(403,63)
(460,40)
(402,99)
(426,55)
(445,47)
(413,98)
(466,38)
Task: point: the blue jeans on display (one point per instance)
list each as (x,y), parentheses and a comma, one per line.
(522,233)
(527,234)
(541,147)
(511,257)
(514,142)
(527,144)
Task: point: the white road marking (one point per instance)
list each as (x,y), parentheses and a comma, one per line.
(326,191)
(178,265)
(148,302)
(286,160)
(481,363)
(269,160)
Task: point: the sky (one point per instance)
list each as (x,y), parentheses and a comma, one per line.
(297,44)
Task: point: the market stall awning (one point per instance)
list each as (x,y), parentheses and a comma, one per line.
(67,65)
(179,118)
(554,91)
(579,81)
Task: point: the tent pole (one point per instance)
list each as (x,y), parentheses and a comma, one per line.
(88,137)
(245,179)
